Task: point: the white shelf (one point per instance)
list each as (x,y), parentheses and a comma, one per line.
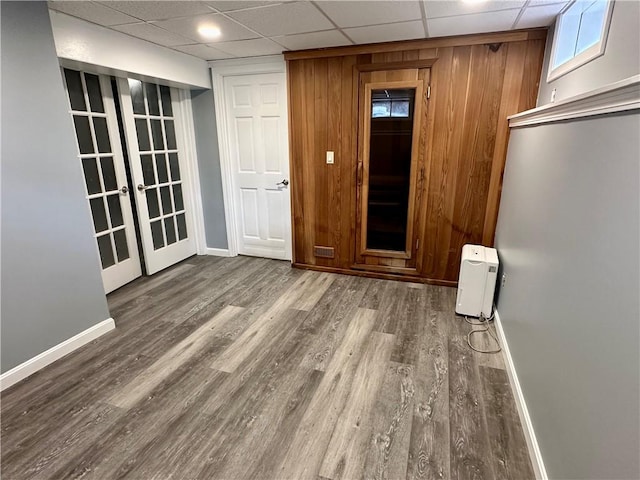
(616,97)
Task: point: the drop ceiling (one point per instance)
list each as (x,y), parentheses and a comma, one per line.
(254,28)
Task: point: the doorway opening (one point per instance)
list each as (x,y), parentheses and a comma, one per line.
(390,144)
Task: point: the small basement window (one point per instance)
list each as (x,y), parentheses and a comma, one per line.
(580,35)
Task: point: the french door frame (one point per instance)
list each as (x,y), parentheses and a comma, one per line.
(133,267)
(185,129)
(185,138)
(219,70)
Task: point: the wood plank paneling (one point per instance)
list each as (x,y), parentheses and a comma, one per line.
(308,156)
(486,74)
(454,41)
(296,107)
(462,148)
(334,144)
(319,148)
(514,71)
(449,93)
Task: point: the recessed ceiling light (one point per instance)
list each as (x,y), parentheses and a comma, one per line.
(474,1)
(209,31)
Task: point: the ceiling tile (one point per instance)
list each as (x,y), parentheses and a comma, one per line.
(283,19)
(447,8)
(303,41)
(352,13)
(148,10)
(539,16)
(203,51)
(231,5)
(386,33)
(188,27)
(93,12)
(534,3)
(249,48)
(149,32)
(477,23)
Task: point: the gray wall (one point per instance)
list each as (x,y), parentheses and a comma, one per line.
(621,58)
(204,120)
(568,236)
(51,285)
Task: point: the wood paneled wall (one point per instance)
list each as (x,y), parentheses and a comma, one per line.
(476,82)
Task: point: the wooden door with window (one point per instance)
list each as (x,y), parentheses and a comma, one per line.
(392,108)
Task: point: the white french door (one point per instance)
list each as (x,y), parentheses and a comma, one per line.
(153,123)
(258,146)
(107,191)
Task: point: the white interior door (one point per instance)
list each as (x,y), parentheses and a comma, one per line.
(107,191)
(257,125)
(156,146)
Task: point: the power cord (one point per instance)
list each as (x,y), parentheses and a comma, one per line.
(485,322)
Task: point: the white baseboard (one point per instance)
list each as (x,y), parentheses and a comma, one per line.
(40,361)
(525,419)
(218,252)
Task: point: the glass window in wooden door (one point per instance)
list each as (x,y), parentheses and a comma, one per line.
(390,144)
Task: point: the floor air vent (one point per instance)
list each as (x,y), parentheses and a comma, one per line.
(323,252)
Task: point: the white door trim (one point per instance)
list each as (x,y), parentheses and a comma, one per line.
(219,70)
(192,171)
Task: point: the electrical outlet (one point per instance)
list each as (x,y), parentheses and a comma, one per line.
(553,95)
(504,279)
(329,158)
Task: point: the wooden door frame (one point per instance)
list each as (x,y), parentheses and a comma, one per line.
(219,70)
(363,181)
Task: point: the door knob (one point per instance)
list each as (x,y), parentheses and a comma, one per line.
(284,183)
(124,190)
(141,187)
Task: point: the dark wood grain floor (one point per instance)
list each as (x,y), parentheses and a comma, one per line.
(243,368)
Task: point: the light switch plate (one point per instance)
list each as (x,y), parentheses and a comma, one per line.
(329,158)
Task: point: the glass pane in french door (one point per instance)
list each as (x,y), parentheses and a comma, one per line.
(160,163)
(106,189)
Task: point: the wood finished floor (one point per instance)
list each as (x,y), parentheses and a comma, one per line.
(243,368)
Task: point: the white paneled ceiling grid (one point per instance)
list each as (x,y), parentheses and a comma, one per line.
(253,28)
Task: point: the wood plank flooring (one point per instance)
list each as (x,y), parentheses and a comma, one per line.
(243,368)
